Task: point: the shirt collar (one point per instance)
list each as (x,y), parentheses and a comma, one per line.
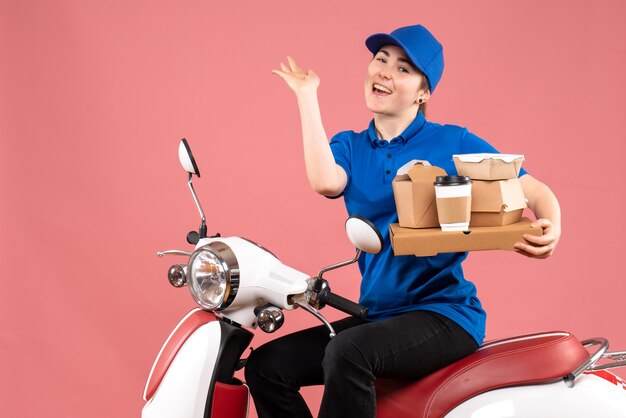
(408,133)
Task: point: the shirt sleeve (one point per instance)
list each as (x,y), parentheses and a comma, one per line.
(472,144)
(340,147)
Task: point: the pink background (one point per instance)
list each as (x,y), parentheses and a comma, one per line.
(94,97)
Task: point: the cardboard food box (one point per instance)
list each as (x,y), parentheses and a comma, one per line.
(497,202)
(414,193)
(432,241)
(488,166)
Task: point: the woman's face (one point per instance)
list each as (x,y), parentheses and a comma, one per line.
(392,83)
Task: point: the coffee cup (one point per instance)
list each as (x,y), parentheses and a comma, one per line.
(454,202)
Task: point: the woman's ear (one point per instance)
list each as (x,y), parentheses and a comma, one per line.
(423,96)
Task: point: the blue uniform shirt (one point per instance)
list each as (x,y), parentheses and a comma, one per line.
(395,284)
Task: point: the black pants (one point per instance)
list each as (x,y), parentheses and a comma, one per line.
(407,346)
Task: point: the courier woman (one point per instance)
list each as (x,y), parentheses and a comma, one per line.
(423,313)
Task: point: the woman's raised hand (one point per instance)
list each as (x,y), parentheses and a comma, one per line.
(297,79)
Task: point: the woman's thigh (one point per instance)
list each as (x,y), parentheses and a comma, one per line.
(409,345)
(296,358)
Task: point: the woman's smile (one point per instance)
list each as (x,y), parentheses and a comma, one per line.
(380,90)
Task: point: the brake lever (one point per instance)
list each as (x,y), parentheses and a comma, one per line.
(302,302)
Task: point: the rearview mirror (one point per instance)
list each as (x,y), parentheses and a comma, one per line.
(364,235)
(186,158)
(189,164)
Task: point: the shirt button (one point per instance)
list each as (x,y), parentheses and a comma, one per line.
(388,171)
(388,155)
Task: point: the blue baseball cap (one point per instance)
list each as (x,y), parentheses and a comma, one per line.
(420,46)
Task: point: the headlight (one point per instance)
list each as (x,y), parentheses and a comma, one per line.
(213,276)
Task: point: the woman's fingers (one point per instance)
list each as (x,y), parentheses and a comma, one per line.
(542,223)
(293,69)
(538,240)
(286,76)
(289,78)
(279,73)
(533,252)
(536,247)
(293,65)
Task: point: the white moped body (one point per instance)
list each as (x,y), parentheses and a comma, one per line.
(594,395)
(182,391)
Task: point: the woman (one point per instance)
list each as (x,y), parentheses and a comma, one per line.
(423,314)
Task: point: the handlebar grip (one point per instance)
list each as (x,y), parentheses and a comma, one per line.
(346,305)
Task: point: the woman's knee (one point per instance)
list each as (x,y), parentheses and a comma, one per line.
(271,364)
(259,366)
(343,352)
(251,370)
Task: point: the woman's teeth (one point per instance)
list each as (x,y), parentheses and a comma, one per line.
(382,89)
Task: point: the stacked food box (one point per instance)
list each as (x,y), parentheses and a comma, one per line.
(497,195)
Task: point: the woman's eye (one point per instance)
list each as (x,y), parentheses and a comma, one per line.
(403,70)
(381,59)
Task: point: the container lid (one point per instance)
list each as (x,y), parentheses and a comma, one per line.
(452,181)
(408,166)
(476,158)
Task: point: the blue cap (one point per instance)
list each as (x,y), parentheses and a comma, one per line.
(420,46)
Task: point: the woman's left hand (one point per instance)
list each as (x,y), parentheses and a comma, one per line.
(540,247)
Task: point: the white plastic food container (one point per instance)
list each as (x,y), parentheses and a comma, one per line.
(488,166)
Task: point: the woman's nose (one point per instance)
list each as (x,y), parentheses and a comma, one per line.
(385,74)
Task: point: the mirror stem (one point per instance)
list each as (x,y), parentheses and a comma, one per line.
(202,230)
(317,284)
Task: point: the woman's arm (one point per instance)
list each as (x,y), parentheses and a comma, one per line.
(543,203)
(325,176)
